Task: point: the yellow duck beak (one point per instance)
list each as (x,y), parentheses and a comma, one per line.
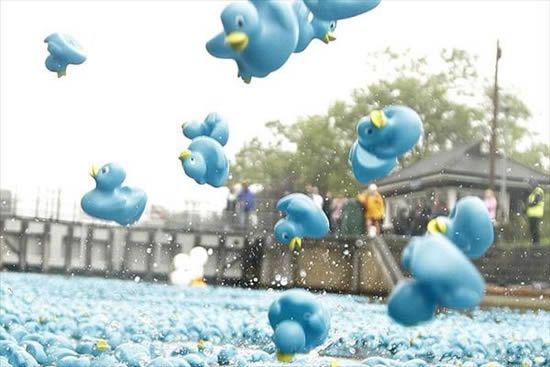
(378,119)
(295,244)
(94,171)
(437,226)
(237,41)
(329,37)
(285,357)
(101,345)
(185,154)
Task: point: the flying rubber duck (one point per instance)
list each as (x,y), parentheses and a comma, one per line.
(441,275)
(382,137)
(300,323)
(260,35)
(391,132)
(304,219)
(204,160)
(64,50)
(109,200)
(214,126)
(468,226)
(311,29)
(366,166)
(339,9)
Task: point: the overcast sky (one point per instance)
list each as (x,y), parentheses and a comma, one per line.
(148,71)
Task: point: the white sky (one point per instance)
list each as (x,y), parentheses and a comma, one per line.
(148,71)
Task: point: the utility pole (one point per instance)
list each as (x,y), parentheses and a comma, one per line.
(493,146)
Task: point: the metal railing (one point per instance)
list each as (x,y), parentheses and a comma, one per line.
(241,256)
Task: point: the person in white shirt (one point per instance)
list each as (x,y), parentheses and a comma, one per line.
(317,199)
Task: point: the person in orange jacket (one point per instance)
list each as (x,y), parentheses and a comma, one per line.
(373,203)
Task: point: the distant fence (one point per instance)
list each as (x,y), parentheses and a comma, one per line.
(237,256)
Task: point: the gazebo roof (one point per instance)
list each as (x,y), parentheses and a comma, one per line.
(465,164)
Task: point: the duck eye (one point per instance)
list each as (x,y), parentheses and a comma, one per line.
(369,131)
(104,170)
(239,20)
(285,236)
(192,159)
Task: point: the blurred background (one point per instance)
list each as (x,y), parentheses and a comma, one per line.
(476,72)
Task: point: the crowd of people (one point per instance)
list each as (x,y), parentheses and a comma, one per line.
(366,212)
(371,209)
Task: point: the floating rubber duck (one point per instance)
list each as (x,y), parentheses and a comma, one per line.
(299,322)
(442,275)
(304,219)
(64,50)
(382,137)
(109,200)
(339,9)
(214,126)
(260,35)
(205,162)
(468,226)
(311,29)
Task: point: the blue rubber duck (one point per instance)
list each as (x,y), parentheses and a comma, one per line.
(366,166)
(64,50)
(214,126)
(260,35)
(441,275)
(311,29)
(205,161)
(304,219)
(382,137)
(340,9)
(109,200)
(468,226)
(300,323)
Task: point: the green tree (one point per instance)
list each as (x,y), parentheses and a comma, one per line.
(448,94)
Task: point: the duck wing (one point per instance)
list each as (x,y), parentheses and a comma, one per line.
(367,166)
(217,127)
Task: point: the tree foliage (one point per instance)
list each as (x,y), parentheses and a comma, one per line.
(452,100)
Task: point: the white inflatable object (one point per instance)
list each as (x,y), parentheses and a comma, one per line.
(189,268)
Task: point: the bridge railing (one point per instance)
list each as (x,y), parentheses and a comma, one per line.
(237,256)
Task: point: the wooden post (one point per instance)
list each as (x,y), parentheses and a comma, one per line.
(221,259)
(88,250)
(69,239)
(150,256)
(23,245)
(46,241)
(109,251)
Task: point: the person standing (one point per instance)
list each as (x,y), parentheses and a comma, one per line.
(231,207)
(421,216)
(535,210)
(374,210)
(231,203)
(491,204)
(439,208)
(245,204)
(336,212)
(327,202)
(317,198)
